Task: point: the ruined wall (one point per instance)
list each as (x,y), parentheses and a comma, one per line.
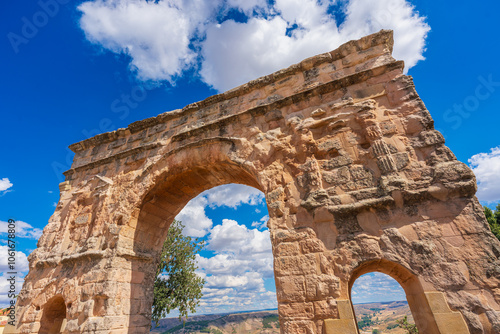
(356,180)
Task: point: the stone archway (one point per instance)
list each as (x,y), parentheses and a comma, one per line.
(353,172)
(419,301)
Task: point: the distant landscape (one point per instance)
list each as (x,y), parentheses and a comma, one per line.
(265,322)
(381,316)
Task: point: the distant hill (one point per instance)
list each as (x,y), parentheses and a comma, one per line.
(265,322)
(381,316)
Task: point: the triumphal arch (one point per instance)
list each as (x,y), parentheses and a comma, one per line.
(356,179)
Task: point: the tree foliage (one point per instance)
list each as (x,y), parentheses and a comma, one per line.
(177,286)
(410,328)
(493,218)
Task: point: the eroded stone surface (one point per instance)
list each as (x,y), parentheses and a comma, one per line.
(356,179)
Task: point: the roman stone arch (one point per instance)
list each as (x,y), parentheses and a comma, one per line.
(355,176)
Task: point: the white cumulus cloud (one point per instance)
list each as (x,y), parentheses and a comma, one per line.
(247,6)
(239,272)
(249,281)
(486,167)
(236,276)
(5,185)
(167,37)
(262,223)
(231,237)
(236,292)
(233,195)
(22,230)
(238,250)
(193,216)
(156,35)
(376,287)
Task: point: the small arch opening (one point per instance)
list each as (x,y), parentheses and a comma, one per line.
(404,280)
(380,305)
(54,316)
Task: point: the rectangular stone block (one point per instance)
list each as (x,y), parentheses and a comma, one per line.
(340,326)
(299,327)
(291,289)
(312,246)
(325,309)
(451,323)
(287,249)
(296,310)
(437,302)
(296,265)
(137,277)
(345,309)
(322,286)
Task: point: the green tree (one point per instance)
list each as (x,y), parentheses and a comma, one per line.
(497,214)
(490,216)
(493,218)
(176,285)
(410,328)
(376,331)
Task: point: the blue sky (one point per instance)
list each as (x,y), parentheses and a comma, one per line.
(73,69)
(376,287)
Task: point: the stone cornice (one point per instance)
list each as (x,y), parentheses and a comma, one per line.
(262,109)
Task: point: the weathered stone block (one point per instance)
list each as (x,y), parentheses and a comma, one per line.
(312,246)
(325,309)
(296,265)
(287,249)
(322,286)
(291,289)
(344,326)
(296,310)
(299,327)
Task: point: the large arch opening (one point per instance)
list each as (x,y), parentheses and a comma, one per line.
(413,292)
(172,192)
(236,262)
(180,178)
